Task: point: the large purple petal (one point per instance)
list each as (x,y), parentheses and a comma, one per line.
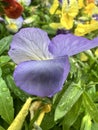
(42,78)
(70,44)
(30,44)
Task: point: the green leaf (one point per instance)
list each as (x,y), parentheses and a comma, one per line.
(74,68)
(4,59)
(86,123)
(49,120)
(1,128)
(0,72)
(19,93)
(94,126)
(68,99)
(4,43)
(6,103)
(72,115)
(90,106)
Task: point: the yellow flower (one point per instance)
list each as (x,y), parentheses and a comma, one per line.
(83,57)
(67,21)
(95,10)
(90,8)
(54,7)
(46,109)
(12,27)
(56,25)
(69,12)
(19,119)
(83,29)
(81,4)
(90,1)
(96,52)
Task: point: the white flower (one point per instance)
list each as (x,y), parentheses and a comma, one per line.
(24,2)
(13,25)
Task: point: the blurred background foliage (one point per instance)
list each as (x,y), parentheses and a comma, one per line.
(76,106)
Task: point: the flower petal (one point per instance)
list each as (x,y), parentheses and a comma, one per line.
(30,44)
(24,2)
(14,24)
(70,45)
(42,78)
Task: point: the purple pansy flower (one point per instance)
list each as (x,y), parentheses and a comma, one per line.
(62,31)
(60,1)
(1,20)
(43,65)
(95,16)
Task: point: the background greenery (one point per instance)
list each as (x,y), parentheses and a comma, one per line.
(76,106)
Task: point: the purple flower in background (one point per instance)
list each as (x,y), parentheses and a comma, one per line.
(1,20)
(43,65)
(62,31)
(95,16)
(60,1)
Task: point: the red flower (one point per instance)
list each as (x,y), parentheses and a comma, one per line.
(8,2)
(12,8)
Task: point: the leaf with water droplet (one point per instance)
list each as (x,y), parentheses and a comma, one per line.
(68,99)
(72,115)
(6,103)
(90,106)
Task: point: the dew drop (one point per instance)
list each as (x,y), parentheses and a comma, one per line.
(8,98)
(4,89)
(62,105)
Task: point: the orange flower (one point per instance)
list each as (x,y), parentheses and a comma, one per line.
(90,1)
